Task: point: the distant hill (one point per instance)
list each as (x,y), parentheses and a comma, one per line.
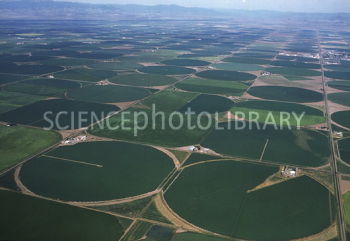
(46,9)
(65,10)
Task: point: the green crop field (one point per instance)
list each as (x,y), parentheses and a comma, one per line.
(196,237)
(18,143)
(143,80)
(91,75)
(108,93)
(116,170)
(118,65)
(342,118)
(208,103)
(294,64)
(342,98)
(340,85)
(310,116)
(291,94)
(29,218)
(185,62)
(226,75)
(344,149)
(44,87)
(243,60)
(34,114)
(142,128)
(216,197)
(166,70)
(298,147)
(290,71)
(13,100)
(338,75)
(28,69)
(8,78)
(168,100)
(212,86)
(238,67)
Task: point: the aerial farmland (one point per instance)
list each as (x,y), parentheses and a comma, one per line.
(175,130)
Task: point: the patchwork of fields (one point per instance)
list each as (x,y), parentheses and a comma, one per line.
(263,164)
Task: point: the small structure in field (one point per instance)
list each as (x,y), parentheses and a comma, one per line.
(289,171)
(338,134)
(265,73)
(74,140)
(103,82)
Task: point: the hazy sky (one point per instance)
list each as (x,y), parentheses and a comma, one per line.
(280,5)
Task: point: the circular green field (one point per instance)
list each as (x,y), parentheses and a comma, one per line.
(166,70)
(108,93)
(208,103)
(342,118)
(292,94)
(344,149)
(226,75)
(340,85)
(186,62)
(143,80)
(96,171)
(342,98)
(221,197)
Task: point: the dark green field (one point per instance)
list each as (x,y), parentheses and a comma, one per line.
(143,80)
(208,103)
(34,114)
(212,86)
(44,87)
(298,147)
(311,116)
(91,75)
(344,149)
(108,93)
(29,69)
(291,94)
(80,173)
(342,118)
(294,64)
(18,143)
(120,65)
(166,70)
(247,60)
(8,78)
(338,75)
(238,67)
(340,85)
(214,196)
(226,75)
(32,219)
(185,62)
(290,71)
(196,237)
(342,98)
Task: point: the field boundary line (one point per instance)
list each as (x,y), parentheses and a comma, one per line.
(263,152)
(75,161)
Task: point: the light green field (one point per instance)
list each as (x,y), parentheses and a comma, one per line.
(18,143)
(279,110)
(212,86)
